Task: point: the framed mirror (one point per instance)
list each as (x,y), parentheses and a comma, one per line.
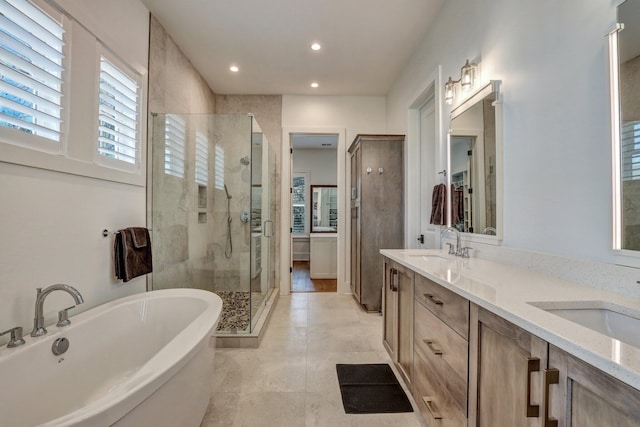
(475,164)
(324,209)
(624,52)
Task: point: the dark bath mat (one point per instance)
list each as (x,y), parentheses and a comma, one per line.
(371,389)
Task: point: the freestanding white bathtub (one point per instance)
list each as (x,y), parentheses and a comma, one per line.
(143,360)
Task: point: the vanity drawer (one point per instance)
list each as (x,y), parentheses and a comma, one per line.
(448,306)
(445,352)
(436,406)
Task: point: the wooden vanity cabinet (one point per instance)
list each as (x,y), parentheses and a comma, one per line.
(398,316)
(587,397)
(517,379)
(505,368)
(466,366)
(441,353)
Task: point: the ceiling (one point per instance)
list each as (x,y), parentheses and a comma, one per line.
(365,44)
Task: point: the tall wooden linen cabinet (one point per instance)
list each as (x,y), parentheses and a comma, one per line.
(377,211)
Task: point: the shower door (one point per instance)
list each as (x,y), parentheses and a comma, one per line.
(210,211)
(262,222)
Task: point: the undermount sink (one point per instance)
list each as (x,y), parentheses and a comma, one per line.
(428,256)
(609,319)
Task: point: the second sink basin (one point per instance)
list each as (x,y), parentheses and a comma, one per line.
(428,256)
(609,319)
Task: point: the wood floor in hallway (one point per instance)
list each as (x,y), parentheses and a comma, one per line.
(302,281)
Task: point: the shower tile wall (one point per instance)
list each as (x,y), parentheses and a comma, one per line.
(174,85)
(188,252)
(268,113)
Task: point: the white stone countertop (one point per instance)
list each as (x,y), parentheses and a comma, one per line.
(508,291)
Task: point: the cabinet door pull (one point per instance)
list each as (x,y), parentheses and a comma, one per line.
(533,365)
(394,280)
(428,401)
(434,299)
(551,376)
(432,346)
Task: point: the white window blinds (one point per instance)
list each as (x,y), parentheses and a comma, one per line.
(202,158)
(219,167)
(299,203)
(630,150)
(31,66)
(175,135)
(117,114)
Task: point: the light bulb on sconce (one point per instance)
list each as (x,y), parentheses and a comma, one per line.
(467,80)
(467,73)
(449,91)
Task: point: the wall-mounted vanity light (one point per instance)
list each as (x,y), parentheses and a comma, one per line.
(467,79)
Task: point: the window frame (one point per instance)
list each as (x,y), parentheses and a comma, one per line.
(39,143)
(103,52)
(305,205)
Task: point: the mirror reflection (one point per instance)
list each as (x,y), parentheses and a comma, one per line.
(473,167)
(629,73)
(324,209)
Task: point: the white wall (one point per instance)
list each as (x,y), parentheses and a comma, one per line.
(356,114)
(346,116)
(321,165)
(51,222)
(552,59)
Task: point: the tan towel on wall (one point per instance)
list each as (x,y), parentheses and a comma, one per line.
(132,249)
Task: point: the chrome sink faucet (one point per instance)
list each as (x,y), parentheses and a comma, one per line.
(458,250)
(38,321)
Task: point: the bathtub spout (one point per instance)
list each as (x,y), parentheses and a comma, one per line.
(38,320)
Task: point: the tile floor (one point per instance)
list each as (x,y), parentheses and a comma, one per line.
(290,380)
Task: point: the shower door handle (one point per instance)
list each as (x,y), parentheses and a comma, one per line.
(272,228)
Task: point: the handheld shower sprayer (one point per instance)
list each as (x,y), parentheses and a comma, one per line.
(228,250)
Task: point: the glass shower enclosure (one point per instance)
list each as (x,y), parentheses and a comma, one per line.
(212,211)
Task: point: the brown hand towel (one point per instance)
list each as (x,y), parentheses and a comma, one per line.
(438,205)
(132,250)
(457,208)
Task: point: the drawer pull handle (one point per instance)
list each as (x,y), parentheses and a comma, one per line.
(432,346)
(533,365)
(394,280)
(551,376)
(428,401)
(434,299)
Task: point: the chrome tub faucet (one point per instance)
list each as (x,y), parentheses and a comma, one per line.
(38,321)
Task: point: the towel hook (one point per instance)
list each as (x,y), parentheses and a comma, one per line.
(105,232)
(443,172)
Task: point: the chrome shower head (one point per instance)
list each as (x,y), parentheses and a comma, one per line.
(245,160)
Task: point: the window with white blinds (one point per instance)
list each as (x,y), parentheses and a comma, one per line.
(299,200)
(175,136)
(219,167)
(31,69)
(202,158)
(118,110)
(630,152)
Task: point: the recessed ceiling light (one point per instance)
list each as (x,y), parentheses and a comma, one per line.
(234,69)
(316,46)
(314,85)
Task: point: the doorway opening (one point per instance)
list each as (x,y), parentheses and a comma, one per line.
(314,213)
